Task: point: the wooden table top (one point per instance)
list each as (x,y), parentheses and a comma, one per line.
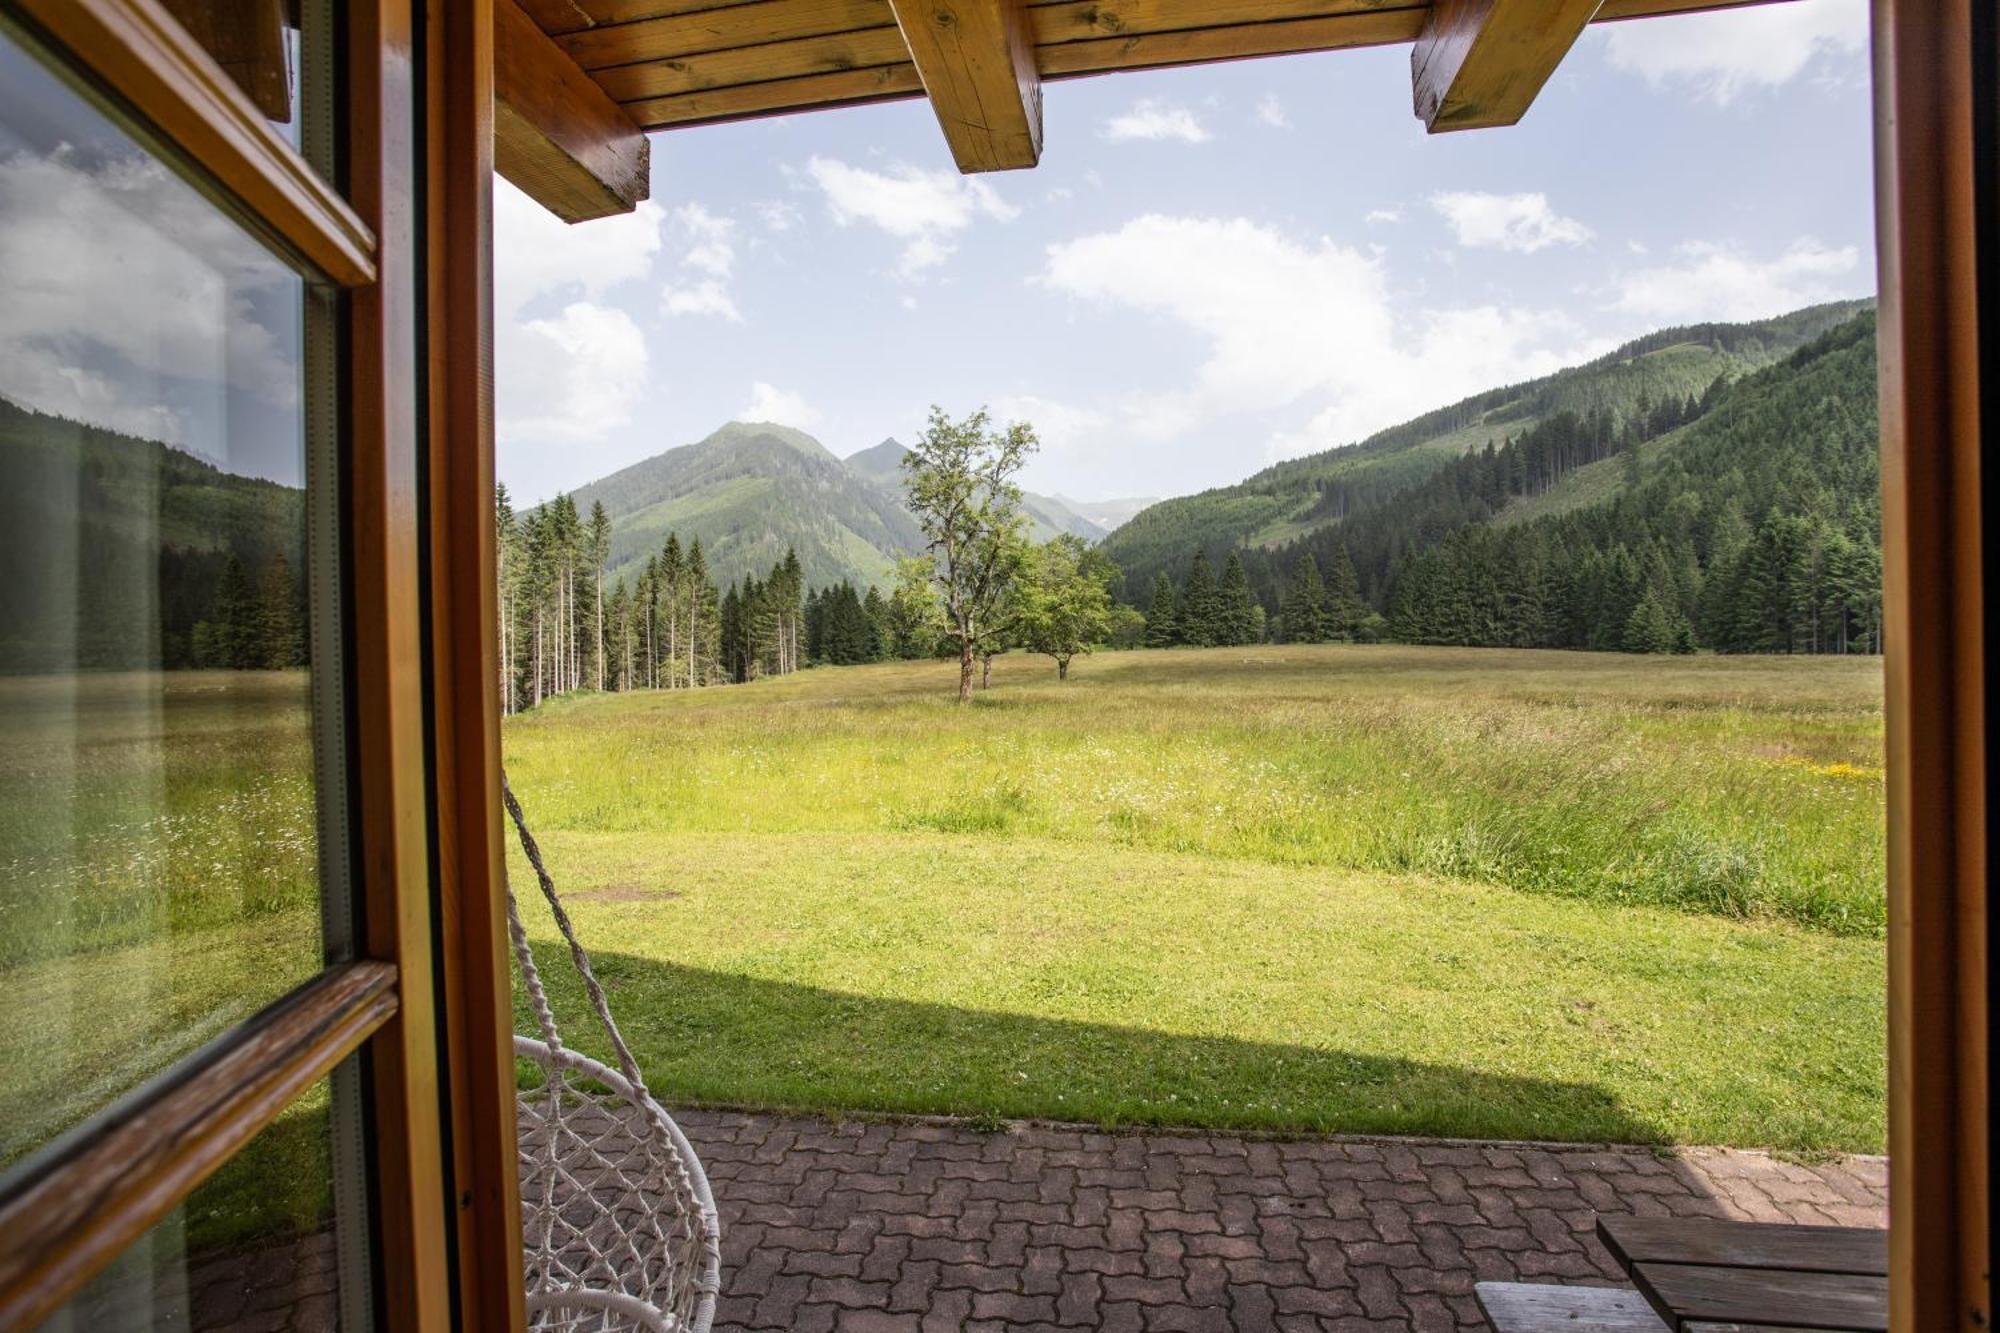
(1696,1271)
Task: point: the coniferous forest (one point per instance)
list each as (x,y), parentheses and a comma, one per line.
(564,626)
(1742,519)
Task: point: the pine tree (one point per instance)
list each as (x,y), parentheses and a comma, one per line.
(1302,617)
(1161,629)
(876,608)
(1344,607)
(238,618)
(1238,620)
(599,549)
(280,643)
(1195,615)
(507,566)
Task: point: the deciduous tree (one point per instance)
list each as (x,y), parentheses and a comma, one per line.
(960,484)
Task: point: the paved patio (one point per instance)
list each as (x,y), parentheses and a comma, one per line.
(907,1228)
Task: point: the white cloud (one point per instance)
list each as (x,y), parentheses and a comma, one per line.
(573,377)
(1521,222)
(1154,120)
(775,405)
(1057,425)
(1288,321)
(923,209)
(1720,282)
(120,279)
(777,215)
(536,253)
(1722,55)
(702,285)
(1384,215)
(1270,111)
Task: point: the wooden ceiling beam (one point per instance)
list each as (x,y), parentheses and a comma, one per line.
(556,134)
(1479,63)
(977,62)
(716,62)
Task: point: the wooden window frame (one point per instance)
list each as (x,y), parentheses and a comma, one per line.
(144,55)
(416,406)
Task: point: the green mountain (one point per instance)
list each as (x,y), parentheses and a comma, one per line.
(1291,499)
(1048,515)
(1744,519)
(749,492)
(752,490)
(119,550)
(881,464)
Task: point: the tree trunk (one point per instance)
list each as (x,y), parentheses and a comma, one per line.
(965,670)
(1062,668)
(986,671)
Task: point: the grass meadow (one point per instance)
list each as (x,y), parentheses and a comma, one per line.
(1381,889)
(158,885)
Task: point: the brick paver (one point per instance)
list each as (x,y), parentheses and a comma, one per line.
(931,1228)
(910,1228)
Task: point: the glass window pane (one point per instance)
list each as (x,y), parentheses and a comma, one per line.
(163,821)
(271,1241)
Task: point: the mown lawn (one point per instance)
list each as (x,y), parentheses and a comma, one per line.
(1536,895)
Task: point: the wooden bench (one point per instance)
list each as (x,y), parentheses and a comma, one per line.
(1696,1273)
(1522,1307)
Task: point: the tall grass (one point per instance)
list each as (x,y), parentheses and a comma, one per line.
(1746,788)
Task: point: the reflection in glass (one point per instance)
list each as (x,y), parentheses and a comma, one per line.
(159,846)
(255,1246)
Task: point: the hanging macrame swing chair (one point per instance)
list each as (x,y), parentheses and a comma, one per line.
(618,1223)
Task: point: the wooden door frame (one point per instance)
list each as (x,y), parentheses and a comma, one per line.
(476,981)
(425,1001)
(1934,103)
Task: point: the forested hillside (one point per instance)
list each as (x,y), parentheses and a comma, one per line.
(1290,499)
(750,493)
(108,540)
(1745,519)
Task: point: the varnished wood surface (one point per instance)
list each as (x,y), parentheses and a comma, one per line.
(1690,1240)
(977,62)
(475,984)
(782,97)
(1685,1293)
(247,38)
(1480,63)
(677,63)
(555,133)
(71,1220)
(385,514)
(144,55)
(1938,612)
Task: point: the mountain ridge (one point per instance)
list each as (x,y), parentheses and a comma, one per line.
(1283,502)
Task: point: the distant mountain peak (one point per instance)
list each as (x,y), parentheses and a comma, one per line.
(882,462)
(741,432)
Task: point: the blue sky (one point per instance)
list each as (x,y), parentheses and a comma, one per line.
(1213,268)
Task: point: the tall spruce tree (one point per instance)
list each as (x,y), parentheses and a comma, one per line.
(1196,612)
(1238,618)
(1162,629)
(1302,615)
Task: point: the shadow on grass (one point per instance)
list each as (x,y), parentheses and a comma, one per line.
(720,1039)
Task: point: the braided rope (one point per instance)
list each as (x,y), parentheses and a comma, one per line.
(602,1169)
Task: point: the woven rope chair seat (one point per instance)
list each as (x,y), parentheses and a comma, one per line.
(619,1228)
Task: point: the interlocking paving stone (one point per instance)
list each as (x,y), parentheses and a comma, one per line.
(931,1228)
(935,1228)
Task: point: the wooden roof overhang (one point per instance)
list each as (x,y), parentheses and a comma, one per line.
(580,82)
